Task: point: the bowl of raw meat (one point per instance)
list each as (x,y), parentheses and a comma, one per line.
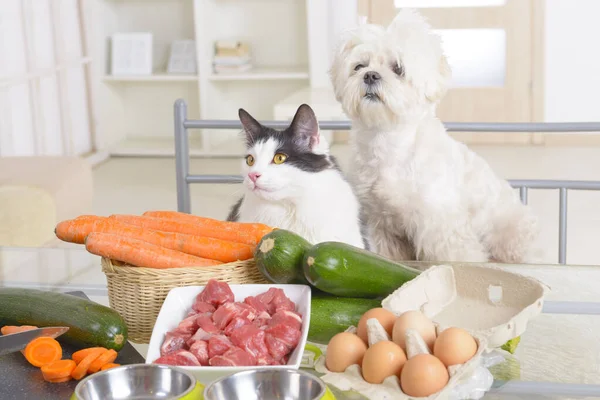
(219,329)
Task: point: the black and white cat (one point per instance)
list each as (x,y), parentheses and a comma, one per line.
(292,182)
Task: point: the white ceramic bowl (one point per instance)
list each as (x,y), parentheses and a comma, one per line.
(179,302)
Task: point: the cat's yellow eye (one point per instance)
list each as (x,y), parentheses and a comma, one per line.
(249,160)
(279,158)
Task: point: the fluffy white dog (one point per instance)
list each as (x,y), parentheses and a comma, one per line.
(425,196)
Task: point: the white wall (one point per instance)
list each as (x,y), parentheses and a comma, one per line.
(572,60)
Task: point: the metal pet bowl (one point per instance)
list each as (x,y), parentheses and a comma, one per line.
(138,381)
(267,384)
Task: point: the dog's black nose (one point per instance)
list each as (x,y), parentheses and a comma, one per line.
(371,77)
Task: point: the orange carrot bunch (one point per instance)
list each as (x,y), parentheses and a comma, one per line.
(163,239)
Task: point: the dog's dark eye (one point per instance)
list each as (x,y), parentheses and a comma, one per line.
(398,70)
(359,66)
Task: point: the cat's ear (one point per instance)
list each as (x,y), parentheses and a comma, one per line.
(251,126)
(305,126)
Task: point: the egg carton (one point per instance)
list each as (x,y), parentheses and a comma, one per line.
(491,304)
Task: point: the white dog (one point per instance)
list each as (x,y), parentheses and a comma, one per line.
(425,196)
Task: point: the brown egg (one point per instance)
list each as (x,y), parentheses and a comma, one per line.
(413,320)
(386,319)
(454,346)
(344,350)
(381,360)
(423,375)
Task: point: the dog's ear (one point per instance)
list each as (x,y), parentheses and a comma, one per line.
(436,88)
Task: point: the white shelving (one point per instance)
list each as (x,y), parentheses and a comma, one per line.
(264,74)
(152,78)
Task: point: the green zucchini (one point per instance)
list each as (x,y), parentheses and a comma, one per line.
(330,315)
(279,257)
(90,324)
(345,270)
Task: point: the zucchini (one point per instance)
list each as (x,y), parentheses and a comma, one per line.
(345,270)
(279,256)
(90,324)
(330,315)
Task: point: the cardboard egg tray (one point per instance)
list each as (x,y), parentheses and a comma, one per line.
(491,304)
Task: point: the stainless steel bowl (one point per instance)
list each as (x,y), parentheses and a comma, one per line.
(136,381)
(267,384)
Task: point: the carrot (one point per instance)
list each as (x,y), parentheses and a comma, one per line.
(105,358)
(84,365)
(43,350)
(172,225)
(139,253)
(10,329)
(60,380)
(109,366)
(58,370)
(76,230)
(81,354)
(255,229)
(204,247)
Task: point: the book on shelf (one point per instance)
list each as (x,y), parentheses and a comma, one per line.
(231,57)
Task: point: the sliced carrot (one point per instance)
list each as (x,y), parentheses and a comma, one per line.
(255,229)
(43,350)
(58,369)
(189,228)
(81,354)
(141,254)
(10,329)
(105,358)
(109,366)
(204,247)
(82,368)
(76,230)
(60,380)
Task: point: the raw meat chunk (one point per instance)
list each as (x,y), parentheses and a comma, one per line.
(252,340)
(272,300)
(215,293)
(255,302)
(281,340)
(205,322)
(236,323)
(200,350)
(179,357)
(218,345)
(290,318)
(262,319)
(227,312)
(188,325)
(202,307)
(234,357)
(172,342)
(281,302)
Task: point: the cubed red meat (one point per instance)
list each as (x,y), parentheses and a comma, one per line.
(272,300)
(188,325)
(173,342)
(192,312)
(218,345)
(227,312)
(262,319)
(202,307)
(205,322)
(215,293)
(255,302)
(234,357)
(290,318)
(252,340)
(236,323)
(200,350)
(179,357)
(281,339)
(281,302)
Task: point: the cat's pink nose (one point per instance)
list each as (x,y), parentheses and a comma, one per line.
(253,176)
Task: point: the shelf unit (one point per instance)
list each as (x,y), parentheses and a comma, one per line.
(135,112)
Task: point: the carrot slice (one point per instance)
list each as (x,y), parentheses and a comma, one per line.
(43,350)
(10,329)
(58,369)
(82,368)
(60,380)
(105,358)
(109,366)
(255,229)
(190,228)
(204,247)
(76,230)
(141,254)
(81,354)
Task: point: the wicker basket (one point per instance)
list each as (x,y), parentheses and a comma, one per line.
(138,293)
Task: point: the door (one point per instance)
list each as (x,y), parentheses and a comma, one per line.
(494,49)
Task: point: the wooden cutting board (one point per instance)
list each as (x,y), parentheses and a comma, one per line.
(20,380)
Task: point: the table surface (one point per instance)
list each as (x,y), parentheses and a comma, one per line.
(558,357)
